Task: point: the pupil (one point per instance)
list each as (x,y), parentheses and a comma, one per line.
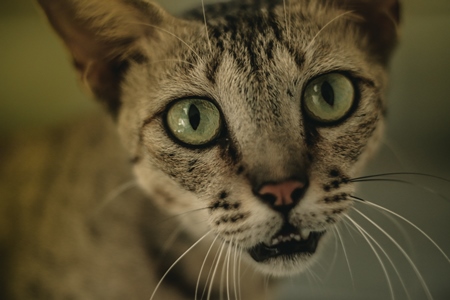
(194,116)
(327,93)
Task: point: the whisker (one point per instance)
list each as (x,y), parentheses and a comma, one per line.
(202,266)
(366,236)
(394,23)
(308,277)
(175,36)
(335,254)
(289,19)
(174,60)
(235,259)
(326,25)
(382,180)
(348,228)
(228,270)
(400,248)
(214,262)
(346,257)
(401,173)
(404,182)
(221,278)
(396,222)
(171,240)
(114,194)
(239,273)
(215,271)
(182,214)
(313,278)
(396,152)
(223,273)
(206,26)
(359,200)
(288,25)
(391,262)
(316,274)
(176,261)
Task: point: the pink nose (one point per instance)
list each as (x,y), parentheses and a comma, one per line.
(283,194)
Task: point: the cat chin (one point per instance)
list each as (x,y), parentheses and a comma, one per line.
(284,267)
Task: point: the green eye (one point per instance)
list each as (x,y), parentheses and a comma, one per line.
(329,97)
(194,121)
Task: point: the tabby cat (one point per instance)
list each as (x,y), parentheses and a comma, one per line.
(243,124)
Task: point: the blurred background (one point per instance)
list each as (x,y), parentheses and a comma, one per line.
(39,88)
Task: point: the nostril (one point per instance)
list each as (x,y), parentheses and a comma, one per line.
(269,198)
(297,194)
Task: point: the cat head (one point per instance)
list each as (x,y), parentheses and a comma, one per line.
(255,122)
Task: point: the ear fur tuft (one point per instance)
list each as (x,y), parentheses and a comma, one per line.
(102,37)
(381,23)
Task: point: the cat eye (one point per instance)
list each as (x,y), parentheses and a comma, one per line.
(194,122)
(329,97)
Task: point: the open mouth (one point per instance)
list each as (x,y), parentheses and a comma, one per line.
(288,242)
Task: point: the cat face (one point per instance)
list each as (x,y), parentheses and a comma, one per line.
(255,123)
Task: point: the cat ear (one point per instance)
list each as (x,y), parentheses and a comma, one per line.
(103,37)
(381,20)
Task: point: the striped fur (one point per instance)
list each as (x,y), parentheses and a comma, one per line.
(253,59)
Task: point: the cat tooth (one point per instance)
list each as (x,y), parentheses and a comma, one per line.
(304,233)
(275,241)
(297,237)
